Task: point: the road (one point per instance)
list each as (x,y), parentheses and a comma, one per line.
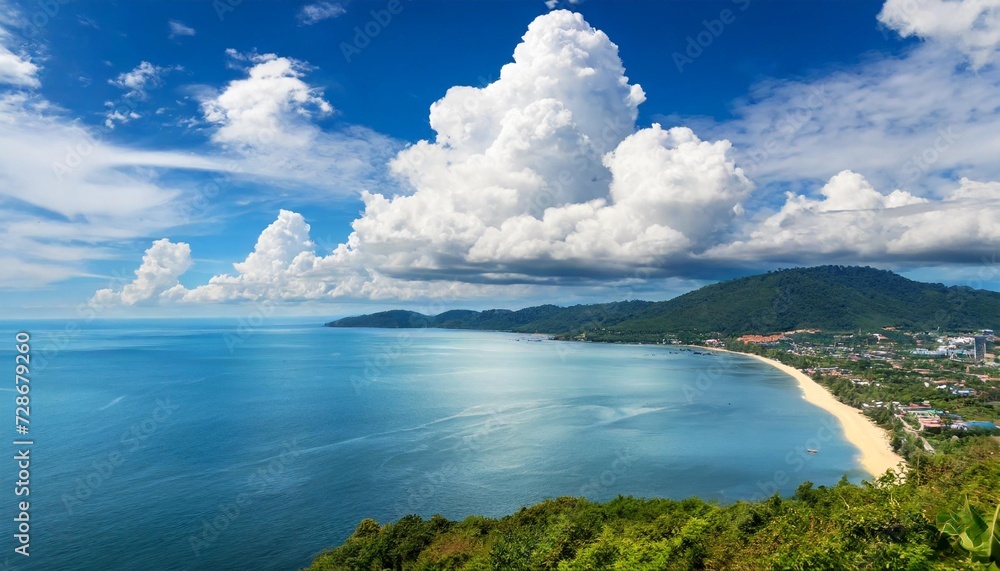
(915,432)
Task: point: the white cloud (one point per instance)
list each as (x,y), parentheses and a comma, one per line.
(144,76)
(314,13)
(178,29)
(970,26)
(284,266)
(268,121)
(156,278)
(70,197)
(271,107)
(540,173)
(802,132)
(115,116)
(135,83)
(67,195)
(16,69)
(671,193)
(553,4)
(543,178)
(854,222)
(87,22)
(276,268)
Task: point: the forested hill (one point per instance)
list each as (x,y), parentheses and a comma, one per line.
(830,298)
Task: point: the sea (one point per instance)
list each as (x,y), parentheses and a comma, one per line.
(256,444)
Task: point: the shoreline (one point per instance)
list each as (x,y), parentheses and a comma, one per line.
(876,455)
(873,442)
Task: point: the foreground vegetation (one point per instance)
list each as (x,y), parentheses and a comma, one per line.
(885,524)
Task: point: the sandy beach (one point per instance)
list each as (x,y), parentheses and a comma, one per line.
(876,452)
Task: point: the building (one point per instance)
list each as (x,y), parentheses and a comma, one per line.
(763,339)
(980,347)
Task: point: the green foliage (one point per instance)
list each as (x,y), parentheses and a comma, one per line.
(831,298)
(887,523)
(969,532)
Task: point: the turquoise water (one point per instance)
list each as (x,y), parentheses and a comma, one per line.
(209,444)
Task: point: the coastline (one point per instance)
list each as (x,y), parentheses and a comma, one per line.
(873,442)
(876,455)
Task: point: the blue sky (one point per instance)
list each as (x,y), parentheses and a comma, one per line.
(627,150)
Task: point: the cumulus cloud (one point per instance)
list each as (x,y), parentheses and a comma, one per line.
(156,278)
(178,29)
(970,26)
(314,13)
(670,194)
(541,173)
(268,121)
(271,107)
(284,265)
(275,268)
(542,177)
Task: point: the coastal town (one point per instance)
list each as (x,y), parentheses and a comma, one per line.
(926,388)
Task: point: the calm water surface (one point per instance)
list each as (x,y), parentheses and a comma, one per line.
(196,444)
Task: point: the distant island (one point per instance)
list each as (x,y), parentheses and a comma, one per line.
(828,298)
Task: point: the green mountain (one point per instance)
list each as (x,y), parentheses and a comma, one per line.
(830,298)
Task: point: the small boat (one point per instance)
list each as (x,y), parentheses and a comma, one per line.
(811,450)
